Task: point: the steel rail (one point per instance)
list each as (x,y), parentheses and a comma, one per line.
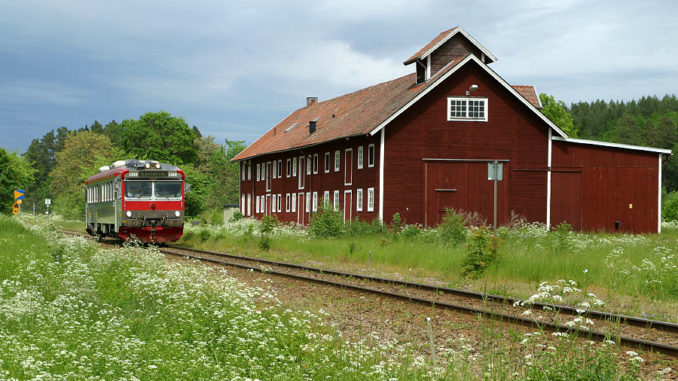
(626,319)
(601,336)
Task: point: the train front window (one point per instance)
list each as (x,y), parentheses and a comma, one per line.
(167,189)
(138,189)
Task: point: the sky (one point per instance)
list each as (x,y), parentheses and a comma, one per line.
(235,69)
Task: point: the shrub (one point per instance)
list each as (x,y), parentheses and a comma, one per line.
(378,226)
(327,222)
(237,216)
(204,234)
(358,228)
(268,223)
(411,231)
(561,237)
(481,252)
(452,229)
(670,209)
(397,223)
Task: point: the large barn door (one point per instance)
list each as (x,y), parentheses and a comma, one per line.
(464,187)
(566,198)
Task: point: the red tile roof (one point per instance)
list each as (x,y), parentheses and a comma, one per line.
(431,44)
(352,114)
(528,92)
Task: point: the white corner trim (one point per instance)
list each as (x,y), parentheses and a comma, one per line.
(381,175)
(465,34)
(548,180)
(491,72)
(614,145)
(659,197)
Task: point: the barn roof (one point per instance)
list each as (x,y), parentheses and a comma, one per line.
(444,37)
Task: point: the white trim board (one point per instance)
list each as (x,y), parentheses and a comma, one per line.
(613,145)
(487,69)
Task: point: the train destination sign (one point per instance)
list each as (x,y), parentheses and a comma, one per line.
(149,174)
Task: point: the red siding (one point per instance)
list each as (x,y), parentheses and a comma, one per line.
(616,186)
(367,177)
(512,133)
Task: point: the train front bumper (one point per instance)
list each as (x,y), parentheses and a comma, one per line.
(152,218)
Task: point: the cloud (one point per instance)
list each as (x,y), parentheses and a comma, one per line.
(36,92)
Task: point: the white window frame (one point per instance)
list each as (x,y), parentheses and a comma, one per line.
(327,162)
(359,200)
(309,164)
(280,168)
(242,170)
(273,206)
(315,201)
(326,198)
(370,199)
(249,170)
(279,202)
(294,166)
(315,163)
(287,202)
(249,204)
(336,200)
(243,198)
(308,202)
(258,172)
(263,204)
(294,202)
(371,153)
(337,161)
(258,205)
(288,167)
(274,169)
(360,157)
(467,110)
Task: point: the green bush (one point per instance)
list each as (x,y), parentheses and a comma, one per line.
(411,231)
(378,226)
(204,234)
(268,223)
(481,252)
(670,209)
(452,229)
(327,222)
(237,216)
(397,223)
(358,227)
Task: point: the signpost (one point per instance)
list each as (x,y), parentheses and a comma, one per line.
(18,199)
(495,172)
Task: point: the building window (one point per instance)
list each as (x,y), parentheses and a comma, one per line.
(360,157)
(327,162)
(326,198)
(280,169)
(294,202)
(274,170)
(249,170)
(370,199)
(315,201)
(336,200)
(315,163)
(337,161)
(273,208)
(474,109)
(242,171)
(279,202)
(288,164)
(308,165)
(308,202)
(263,204)
(242,204)
(294,166)
(249,204)
(359,200)
(258,172)
(287,201)
(256,209)
(370,155)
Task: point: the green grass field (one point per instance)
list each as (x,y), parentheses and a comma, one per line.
(70,309)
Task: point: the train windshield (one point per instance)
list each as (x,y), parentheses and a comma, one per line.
(138,189)
(152,190)
(167,189)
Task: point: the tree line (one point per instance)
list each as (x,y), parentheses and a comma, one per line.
(57,164)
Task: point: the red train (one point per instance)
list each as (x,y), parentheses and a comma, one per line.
(141,199)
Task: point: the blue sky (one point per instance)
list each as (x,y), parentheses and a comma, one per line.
(236,68)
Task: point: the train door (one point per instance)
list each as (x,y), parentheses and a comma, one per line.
(348,166)
(348,206)
(302,172)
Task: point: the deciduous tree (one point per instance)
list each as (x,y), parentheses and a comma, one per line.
(15,173)
(158,136)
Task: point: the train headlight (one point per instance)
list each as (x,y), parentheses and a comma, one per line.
(128,214)
(177,213)
(157,165)
(148,165)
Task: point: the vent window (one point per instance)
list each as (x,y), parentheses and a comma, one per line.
(472,109)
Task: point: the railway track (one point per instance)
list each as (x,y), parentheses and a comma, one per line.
(651,335)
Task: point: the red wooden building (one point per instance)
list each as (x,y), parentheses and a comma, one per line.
(421,143)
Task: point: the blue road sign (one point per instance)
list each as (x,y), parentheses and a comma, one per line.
(19,194)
